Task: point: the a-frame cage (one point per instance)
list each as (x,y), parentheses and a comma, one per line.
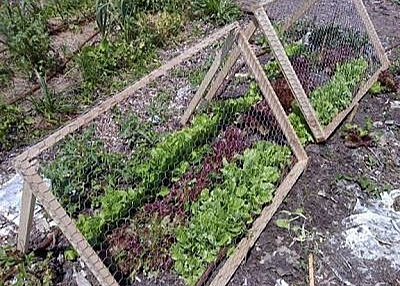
(159,202)
(325,55)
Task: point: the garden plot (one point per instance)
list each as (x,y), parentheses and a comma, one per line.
(165,204)
(329,56)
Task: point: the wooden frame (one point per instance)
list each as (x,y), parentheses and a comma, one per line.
(320,133)
(35,187)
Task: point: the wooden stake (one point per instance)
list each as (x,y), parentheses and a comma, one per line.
(26,218)
(353,112)
(311,269)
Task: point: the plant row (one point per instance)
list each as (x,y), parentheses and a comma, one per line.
(84,169)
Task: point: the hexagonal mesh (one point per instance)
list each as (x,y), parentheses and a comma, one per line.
(326,54)
(147,201)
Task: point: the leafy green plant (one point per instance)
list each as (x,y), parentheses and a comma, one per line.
(70,10)
(301,128)
(376,88)
(49,105)
(82,171)
(98,64)
(12,122)
(6,75)
(222,214)
(138,134)
(337,94)
(220,11)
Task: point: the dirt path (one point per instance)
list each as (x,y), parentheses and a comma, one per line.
(329,191)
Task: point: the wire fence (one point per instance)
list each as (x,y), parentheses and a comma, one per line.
(326,55)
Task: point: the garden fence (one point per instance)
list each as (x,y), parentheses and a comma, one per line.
(327,52)
(179,174)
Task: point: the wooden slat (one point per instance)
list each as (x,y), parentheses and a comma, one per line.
(298,13)
(202,88)
(289,73)
(372,33)
(229,268)
(28,202)
(232,58)
(271,98)
(43,193)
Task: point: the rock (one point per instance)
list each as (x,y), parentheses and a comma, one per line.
(377,124)
(389,122)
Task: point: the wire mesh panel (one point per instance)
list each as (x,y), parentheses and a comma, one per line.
(147,201)
(325,54)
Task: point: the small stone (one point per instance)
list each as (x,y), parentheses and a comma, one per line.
(389,122)
(377,124)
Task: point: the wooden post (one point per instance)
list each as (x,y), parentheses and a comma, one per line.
(28,201)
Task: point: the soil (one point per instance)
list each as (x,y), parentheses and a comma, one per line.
(326,197)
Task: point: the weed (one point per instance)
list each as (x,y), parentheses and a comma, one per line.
(356,136)
(138,134)
(367,184)
(99,63)
(12,123)
(6,75)
(158,107)
(49,105)
(83,170)
(219,11)
(20,269)
(25,33)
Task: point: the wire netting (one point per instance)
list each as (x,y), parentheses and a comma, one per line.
(330,50)
(161,203)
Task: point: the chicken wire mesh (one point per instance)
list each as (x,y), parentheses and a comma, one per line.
(146,201)
(325,54)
